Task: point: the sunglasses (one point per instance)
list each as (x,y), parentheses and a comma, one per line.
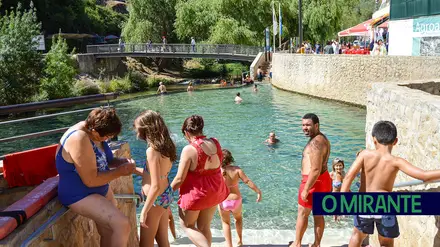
(339,160)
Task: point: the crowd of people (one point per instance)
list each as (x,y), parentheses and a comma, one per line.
(374,48)
(207,179)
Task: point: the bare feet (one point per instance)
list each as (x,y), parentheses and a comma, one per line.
(293,244)
(314,245)
(239,244)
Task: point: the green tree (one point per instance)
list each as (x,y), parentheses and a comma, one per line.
(195,18)
(73,16)
(20,62)
(150,19)
(231,21)
(103,19)
(229,31)
(323,19)
(59,71)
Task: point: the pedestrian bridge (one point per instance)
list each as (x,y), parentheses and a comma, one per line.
(226,52)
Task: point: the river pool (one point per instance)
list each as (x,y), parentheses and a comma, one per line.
(241,129)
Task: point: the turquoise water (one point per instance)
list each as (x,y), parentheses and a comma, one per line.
(242,129)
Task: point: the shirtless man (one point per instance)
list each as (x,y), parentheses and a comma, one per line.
(315,178)
(161,89)
(381,168)
(272,138)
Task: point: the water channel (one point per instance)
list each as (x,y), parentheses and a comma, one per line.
(241,129)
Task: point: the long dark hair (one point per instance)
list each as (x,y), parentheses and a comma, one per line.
(227,159)
(151,127)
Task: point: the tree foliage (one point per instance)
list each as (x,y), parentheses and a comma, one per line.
(103,20)
(243,21)
(150,19)
(195,18)
(229,31)
(323,19)
(73,16)
(20,63)
(59,71)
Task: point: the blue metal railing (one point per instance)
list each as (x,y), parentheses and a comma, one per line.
(35,106)
(176,48)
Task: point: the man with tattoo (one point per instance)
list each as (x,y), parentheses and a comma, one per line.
(315,178)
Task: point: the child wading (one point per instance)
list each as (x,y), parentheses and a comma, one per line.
(381,168)
(233,204)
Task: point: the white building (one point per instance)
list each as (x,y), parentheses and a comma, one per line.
(414,28)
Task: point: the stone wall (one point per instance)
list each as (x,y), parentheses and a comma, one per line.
(73,230)
(347,78)
(258,61)
(417,117)
(113,66)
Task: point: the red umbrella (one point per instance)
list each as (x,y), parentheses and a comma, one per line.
(358,30)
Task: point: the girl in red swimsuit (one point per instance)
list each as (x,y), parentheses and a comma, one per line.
(200,182)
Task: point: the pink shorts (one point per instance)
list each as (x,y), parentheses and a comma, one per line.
(230,205)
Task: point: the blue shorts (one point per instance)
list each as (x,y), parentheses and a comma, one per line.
(387,226)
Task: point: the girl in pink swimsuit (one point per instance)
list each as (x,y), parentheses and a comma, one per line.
(232,175)
(200,181)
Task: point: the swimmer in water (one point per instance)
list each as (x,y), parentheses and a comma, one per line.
(190,87)
(272,138)
(161,89)
(238,99)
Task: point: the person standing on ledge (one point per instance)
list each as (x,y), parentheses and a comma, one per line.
(315,178)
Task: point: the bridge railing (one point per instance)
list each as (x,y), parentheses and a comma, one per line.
(176,48)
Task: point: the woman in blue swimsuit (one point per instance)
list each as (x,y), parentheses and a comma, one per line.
(83,161)
(161,153)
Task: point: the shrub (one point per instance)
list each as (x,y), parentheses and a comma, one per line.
(122,85)
(138,81)
(59,71)
(20,62)
(86,87)
(154,81)
(104,86)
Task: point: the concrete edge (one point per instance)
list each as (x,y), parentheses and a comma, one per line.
(322,98)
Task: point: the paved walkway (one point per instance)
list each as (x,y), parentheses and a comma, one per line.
(272,238)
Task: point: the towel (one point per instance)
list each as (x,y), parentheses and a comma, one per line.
(31,167)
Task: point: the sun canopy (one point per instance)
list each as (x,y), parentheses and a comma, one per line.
(384,25)
(358,30)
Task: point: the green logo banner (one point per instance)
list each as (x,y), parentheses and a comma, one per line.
(427,25)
